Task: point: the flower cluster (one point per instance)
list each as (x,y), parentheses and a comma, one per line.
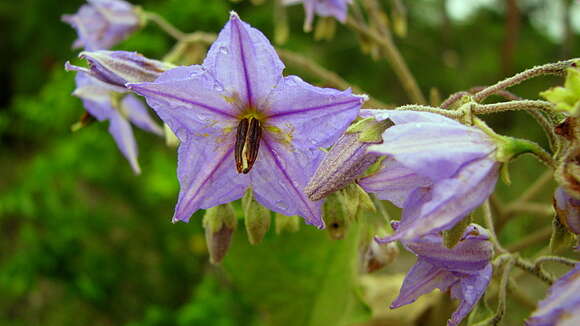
(280,144)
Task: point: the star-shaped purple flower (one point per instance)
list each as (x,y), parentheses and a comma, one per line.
(101,24)
(324,8)
(465,269)
(107,102)
(562,305)
(436,169)
(243,125)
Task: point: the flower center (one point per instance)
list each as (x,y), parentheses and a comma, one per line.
(247,143)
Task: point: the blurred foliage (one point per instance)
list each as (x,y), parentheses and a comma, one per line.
(85,242)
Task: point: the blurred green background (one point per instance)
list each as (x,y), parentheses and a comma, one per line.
(83,241)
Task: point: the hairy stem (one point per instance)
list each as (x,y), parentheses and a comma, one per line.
(535,270)
(532,239)
(555,259)
(488,218)
(426,108)
(166,26)
(557,68)
(527,105)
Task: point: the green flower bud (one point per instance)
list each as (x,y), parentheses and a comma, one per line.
(257,218)
(219,223)
(286,223)
(335,217)
(567,98)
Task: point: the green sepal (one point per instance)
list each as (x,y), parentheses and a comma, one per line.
(561,237)
(452,236)
(219,223)
(481,314)
(370,130)
(257,218)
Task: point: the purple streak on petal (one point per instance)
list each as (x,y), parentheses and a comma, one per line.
(313,116)
(562,302)
(421,279)
(138,114)
(451,200)
(189,104)
(469,291)
(393,182)
(207,175)
(123,135)
(434,150)
(279,177)
(244,62)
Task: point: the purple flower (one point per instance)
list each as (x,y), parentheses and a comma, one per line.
(562,306)
(120,67)
(242,124)
(324,8)
(568,210)
(101,24)
(465,270)
(104,102)
(436,169)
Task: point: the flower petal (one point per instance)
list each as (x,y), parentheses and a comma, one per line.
(138,114)
(421,279)
(469,291)
(393,182)
(434,150)
(313,117)
(207,175)
(279,177)
(123,135)
(450,201)
(96,96)
(244,62)
(189,103)
(403,117)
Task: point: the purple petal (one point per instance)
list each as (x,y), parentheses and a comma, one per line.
(562,305)
(279,177)
(123,135)
(393,182)
(95,95)
(138,114)
(333,8)
(313,117)
(421,279)
(403,117)
(434,150)
(568,210)
(207,175)
(469,291)
(191,104)
(244,62)
(451,200)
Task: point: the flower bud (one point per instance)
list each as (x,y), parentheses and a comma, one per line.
(568,171)
(257,218)
(348,158)
(566,98)
(354,199)
(286,223)
(335,218)
(567,212)
(121,67)
(219,223)
(377,256)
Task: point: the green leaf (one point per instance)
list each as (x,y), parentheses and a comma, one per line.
(299,279)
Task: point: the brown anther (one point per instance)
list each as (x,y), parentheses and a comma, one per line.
(247,144)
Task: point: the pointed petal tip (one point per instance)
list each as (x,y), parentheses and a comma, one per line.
(234,15)
(363,97)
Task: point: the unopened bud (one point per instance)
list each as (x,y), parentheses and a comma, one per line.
(121,67)
(335,217)
(257,218)
(219,223)
(568,171)
(567,210)
(377,256)
(286,223)
(348,158)
(325,28)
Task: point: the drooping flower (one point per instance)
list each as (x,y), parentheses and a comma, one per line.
(562,305)
(568,210)
(436,169)
(100,24)
(120,67)
(242,124)
(105,102)
(347,159)
(324,8)
(465,270)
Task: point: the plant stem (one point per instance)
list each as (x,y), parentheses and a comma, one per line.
(165,25)
(395,59)
(557,68)
(426,108)
(488,218)
(556,259)
(535,270)
(512,105)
